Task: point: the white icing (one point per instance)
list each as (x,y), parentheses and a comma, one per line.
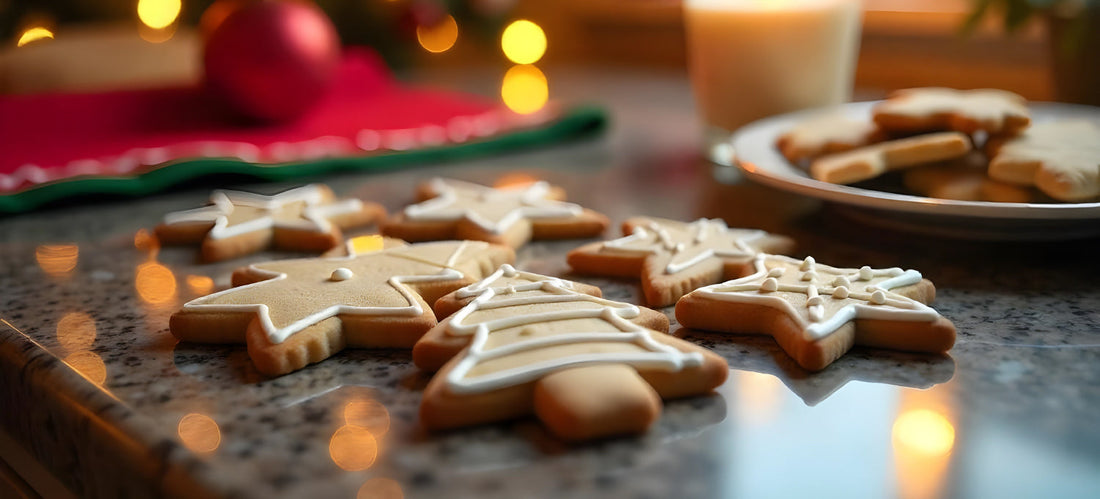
(313,217)
(279,334)
(653,238)
(341,274)
(554,291)
(876,303)
(452,197)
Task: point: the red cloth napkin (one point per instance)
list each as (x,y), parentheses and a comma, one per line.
(55,136)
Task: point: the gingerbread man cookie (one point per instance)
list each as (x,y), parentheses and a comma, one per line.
(672,258)
(826,134)
(1061,158)
(292,313)
(817,313)
(510,216)
(968,111)
(237,223)
(582,364)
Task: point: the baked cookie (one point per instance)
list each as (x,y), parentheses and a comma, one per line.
(510,216)
(917,110)
(817,313)
(964,180)
(1061,158)
(292,313)
(672,258)
(237,223)
(585,366)
(869,162)
(826,134)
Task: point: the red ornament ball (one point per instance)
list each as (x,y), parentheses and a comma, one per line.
(272,60)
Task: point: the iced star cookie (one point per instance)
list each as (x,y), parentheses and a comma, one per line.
(510,216)
(292,313)
(672,258)
(968,111)
(869,162)
(826,134)
(1061,158)
(585,366)
(817,313)
(237,223)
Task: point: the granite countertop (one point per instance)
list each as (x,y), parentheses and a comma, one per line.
(94,387)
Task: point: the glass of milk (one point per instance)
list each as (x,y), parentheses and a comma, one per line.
(750,59)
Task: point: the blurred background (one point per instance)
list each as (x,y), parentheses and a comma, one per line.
(84,45)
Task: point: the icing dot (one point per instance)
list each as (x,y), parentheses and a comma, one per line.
(341,274)
(776,272)
(840,292)
(807,264)
(810,276)
(508,290)
(878,297)
(815,300)
(841,281)
(865,273)
(769,285)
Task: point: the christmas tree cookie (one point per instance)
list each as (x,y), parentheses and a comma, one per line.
(817,313)
(585,366)
(510,216)
(292,313)
(672,258)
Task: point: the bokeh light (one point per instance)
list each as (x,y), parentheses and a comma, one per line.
(380,488)
(155,283)
(57,260)
(524,89)
(353,448)
(158,14)
(924,431)
(199,432)
(440,37)
(515,180)
(369,414)
(200,285)
(88,364)
(76,331)
(366,244)
(523,42)
(34,34)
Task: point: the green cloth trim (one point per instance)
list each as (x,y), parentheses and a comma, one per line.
(573,124)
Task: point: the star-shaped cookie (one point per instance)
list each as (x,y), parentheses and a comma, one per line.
(307,218)
(968,111)
(510,216)
(672,258)
(817,313)
(292,313)
(1061,158)
(588,367)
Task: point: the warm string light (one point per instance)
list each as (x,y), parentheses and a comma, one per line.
(199,432)
(158,14)
(57,260)
(380,488)
(523,42)
(439,37)
(34,34)
(524,89)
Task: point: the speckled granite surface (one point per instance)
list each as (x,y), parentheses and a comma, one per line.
(95,387)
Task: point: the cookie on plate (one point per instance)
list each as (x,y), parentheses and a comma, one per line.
(307,218)
(868,162)
(672,257)
(964,180)
(918,110)
(292,313)
(816,313)
(1061,158)
(826,134)
(585,366)
(509,215)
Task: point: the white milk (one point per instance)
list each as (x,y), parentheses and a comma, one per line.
(755,58)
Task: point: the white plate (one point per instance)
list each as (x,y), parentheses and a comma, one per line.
(756,154)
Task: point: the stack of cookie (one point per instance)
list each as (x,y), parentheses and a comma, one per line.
(971,145)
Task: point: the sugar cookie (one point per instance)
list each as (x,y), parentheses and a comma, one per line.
(672,258)
(826,134)
(968,111)
(1061,158)
(869,162)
